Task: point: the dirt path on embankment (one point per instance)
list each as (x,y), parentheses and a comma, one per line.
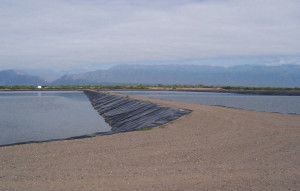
(213,148)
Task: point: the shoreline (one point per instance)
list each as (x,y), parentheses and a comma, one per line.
(213,148)
(216,90)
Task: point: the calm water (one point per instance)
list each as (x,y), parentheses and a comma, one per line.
(281,104)
(40,116)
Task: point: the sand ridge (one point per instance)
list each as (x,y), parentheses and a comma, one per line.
(213,148)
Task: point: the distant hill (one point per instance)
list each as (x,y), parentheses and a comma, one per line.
(12,77)
(245,75)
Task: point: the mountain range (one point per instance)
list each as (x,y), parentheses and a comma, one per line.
(243,75)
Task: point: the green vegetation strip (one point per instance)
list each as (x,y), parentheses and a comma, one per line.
(145,128)
(140,86)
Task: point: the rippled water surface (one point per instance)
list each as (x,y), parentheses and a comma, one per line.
(281,104)
(39,116)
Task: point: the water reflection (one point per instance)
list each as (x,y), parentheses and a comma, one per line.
(41,116)
(73,95)
(281,104)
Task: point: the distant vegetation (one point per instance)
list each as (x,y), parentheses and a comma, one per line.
(257,88)
(18,87)
(142,87)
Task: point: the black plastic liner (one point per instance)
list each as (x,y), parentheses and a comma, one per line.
(126,114)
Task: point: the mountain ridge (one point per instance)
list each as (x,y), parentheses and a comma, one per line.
(240,75)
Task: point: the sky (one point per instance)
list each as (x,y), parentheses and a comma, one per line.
(88,34)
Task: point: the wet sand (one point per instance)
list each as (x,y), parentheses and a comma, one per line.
(213,148)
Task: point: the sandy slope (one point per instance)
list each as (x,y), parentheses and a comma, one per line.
(213,148)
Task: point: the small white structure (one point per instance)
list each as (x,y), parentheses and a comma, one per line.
(39,87)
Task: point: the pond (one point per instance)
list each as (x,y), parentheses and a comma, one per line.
(47,115)
(267,103)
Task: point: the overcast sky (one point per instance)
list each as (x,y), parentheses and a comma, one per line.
(76,33)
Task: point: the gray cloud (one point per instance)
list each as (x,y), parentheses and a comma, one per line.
(41,33)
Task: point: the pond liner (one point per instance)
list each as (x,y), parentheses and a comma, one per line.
(125,114)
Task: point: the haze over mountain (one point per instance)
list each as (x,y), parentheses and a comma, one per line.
(13,77)
(245,75)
